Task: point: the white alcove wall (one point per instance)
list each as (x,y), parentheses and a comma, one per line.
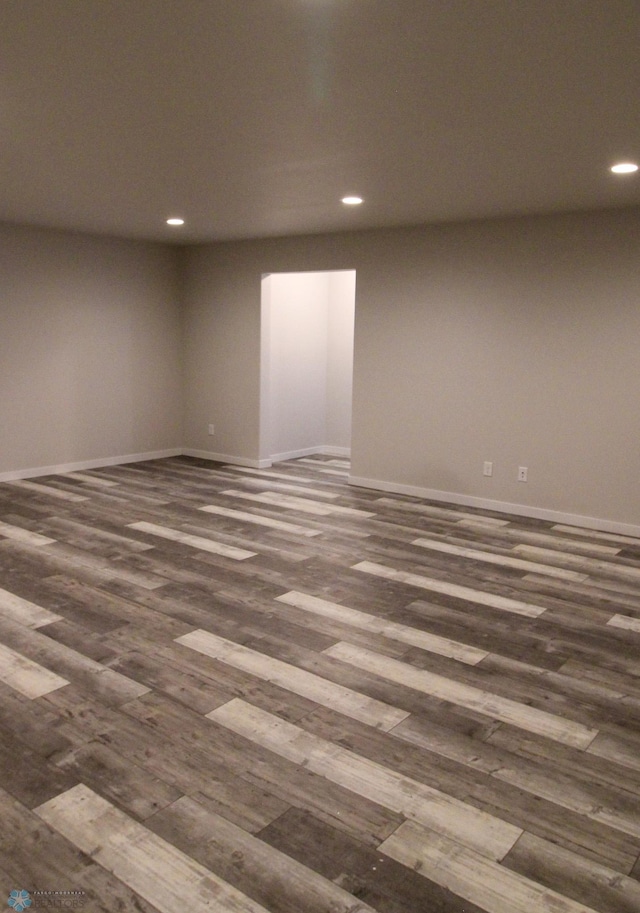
(307,364)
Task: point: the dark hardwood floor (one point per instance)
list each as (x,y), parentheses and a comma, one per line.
(238,690)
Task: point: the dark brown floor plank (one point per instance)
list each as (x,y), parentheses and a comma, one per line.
(468,777)
(587,882)
(270,877)
(27,776)
(214,747)
(369,875)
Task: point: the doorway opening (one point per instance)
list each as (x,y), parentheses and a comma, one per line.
(306,371)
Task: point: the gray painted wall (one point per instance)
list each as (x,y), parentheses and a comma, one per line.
(89,349)
(514,341)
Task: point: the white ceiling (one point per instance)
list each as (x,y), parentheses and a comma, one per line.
(254,117)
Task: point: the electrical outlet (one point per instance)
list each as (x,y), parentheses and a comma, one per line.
(522,473)
(487,469)
(212,429)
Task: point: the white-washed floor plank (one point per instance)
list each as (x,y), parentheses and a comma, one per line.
(501,560)
(49,490)
(476,699)
(289,884)
(472,876)
(464,823)
(75,666)
(247,517)
(24,612)
(299,681)
(284,501)
(99,567)
(27,677)
(162,874)
(557,543)
(444,513)
(305,490)
(24,535)
(596,534)
(626,622)
(64,526)
(590,800)
(269,473)
(305,505)
(198,542)
(98,481)
(389,629)
(503,603)
(616,749)
(589,566)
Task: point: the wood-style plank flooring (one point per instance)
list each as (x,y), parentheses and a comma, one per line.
(249,690)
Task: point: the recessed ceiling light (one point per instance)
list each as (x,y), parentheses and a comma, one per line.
(175,221)
(624,168)
(352,201)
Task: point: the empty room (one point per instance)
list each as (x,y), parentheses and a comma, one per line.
(319,464)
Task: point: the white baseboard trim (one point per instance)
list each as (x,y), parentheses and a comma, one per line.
(503,507)
(429,494)
(294,454)
(226,458)
(344,452)
(323,449)
(60,468)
